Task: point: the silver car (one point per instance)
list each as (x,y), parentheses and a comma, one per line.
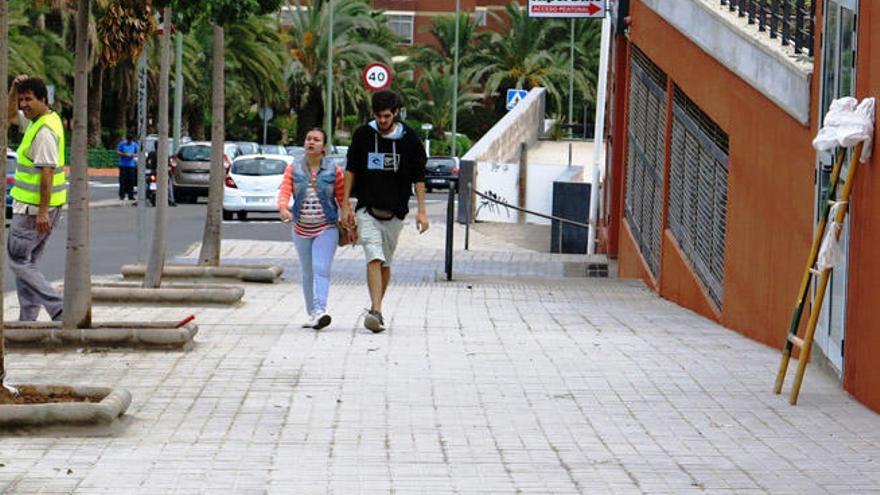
(190,171)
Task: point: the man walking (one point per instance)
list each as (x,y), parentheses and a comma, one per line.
(385,159)
(39,190)
(127,151)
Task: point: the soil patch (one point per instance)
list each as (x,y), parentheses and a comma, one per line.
(28,394)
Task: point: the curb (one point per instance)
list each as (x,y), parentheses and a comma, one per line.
(246,273)
(111,405)
(122,292)
(129,334)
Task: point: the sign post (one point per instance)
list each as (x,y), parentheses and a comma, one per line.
(377,76)
(266,114)
(594,9)
(514,96)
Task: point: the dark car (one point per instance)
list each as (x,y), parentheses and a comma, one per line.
(438,170)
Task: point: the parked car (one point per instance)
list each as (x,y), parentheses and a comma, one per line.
(273,149)
(295,151)
(251,186)
(232,151)
(152,140)
(11,162)
(438,169)
(190,170)
(338,160)
(248,147)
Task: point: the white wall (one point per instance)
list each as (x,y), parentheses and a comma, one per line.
(501,179)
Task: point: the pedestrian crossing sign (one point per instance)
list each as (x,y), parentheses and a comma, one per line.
(514,96)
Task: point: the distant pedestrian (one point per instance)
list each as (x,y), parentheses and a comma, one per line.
(127,150)
(151,169)
(385,159)
(39,191)
(316,186)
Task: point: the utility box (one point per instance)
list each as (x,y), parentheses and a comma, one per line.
(571,201)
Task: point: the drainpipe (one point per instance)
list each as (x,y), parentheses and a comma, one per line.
(598,136)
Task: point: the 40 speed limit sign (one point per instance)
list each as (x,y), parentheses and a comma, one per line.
(377,76)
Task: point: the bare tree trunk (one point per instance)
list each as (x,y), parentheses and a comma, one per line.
(96,91)
(156,260)
(4,126)
(77,270)
(196,128)
(210,252)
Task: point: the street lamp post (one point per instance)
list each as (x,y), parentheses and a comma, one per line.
(571,81)
(455,81)
(427,127)
(328,106)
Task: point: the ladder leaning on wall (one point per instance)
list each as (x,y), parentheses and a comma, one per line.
(843,113)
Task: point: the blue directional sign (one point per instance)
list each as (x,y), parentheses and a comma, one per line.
(514,96)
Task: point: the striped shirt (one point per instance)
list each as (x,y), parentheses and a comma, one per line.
(312,220)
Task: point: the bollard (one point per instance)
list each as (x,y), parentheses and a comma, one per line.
(450,225)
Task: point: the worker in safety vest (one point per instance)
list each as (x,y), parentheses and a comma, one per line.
(38,193)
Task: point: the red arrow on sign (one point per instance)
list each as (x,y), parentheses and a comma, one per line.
(593,8)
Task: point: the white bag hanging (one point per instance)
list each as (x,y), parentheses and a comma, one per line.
(830,253)
(848,123)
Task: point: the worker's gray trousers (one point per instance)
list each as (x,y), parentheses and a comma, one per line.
(25,246)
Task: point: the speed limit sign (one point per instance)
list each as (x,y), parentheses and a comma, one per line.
(377,76)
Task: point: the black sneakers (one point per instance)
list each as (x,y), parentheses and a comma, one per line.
(374,322)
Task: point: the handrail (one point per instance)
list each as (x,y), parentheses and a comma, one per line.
(542,215)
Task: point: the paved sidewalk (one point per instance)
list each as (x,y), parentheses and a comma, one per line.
(514,380)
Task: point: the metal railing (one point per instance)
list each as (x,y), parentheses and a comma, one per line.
(490,199)
(793,21)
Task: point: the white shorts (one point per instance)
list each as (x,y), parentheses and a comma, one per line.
(378,237)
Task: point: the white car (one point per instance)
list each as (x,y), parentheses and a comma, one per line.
(251,186)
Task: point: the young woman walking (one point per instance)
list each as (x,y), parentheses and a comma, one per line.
(317,188)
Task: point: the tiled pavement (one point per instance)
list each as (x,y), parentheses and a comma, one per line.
(503,382)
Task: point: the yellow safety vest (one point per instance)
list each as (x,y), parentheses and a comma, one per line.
(26,187)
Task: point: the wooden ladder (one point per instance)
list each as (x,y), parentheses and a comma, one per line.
(805,344)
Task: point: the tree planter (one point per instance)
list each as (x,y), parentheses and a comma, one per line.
(162,335)
(246,273)
(122,292)
(104,405)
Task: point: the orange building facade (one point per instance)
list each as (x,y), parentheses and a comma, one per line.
(412,19)
(713,186)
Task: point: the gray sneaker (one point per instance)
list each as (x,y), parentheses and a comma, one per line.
(374,322)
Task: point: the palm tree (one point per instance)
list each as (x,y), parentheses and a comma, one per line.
(352,50)
(156,258)
(77,273)
(209,254)
(122,28)
(38,52)
(4,127)
(522,58)
(222,13)
(436,85)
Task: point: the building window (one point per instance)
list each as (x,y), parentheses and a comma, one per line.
(481,15)
(646,154)
(698,191)
(402,23)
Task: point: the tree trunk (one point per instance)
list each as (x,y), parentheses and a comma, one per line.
(4,125)
(77,271)
(96,89)
(196,128)
(156,260)
(210,252)
(310,116)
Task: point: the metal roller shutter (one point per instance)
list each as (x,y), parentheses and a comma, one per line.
(698,191)
(646,156)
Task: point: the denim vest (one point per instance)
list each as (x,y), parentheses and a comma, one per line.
(325,186)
